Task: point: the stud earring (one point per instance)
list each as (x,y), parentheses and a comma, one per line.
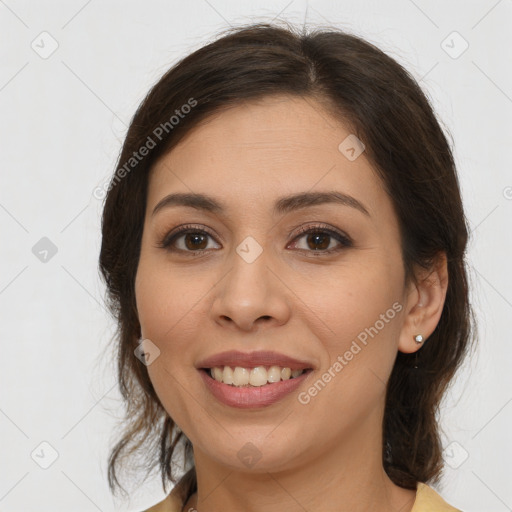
(418,338)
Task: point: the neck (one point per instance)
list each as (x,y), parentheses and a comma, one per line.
(344,476)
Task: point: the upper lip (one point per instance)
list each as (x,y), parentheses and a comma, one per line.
(234,358)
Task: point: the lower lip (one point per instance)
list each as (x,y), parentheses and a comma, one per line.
(250,397)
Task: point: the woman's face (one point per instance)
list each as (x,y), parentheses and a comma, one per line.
(245,278)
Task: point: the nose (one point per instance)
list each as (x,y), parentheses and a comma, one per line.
(250,295)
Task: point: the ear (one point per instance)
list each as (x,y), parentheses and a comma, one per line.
(424,304)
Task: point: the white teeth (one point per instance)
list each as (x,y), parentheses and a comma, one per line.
(258,376)
(274,374)
(240,376)
(227,375)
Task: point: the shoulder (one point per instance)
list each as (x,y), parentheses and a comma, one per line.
(428,500)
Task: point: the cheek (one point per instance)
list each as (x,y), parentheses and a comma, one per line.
(165,300)
(344,302)
(165,306)
(357,319)
(360,343)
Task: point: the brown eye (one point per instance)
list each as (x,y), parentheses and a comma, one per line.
(194,241)
(321,240)
(187,240)
(318,241)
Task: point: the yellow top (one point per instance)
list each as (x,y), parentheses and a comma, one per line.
(427,500)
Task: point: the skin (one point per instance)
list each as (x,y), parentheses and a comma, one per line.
(327,454)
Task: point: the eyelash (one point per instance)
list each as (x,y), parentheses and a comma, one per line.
(343,239)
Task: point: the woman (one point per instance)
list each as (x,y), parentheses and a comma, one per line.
(283,247)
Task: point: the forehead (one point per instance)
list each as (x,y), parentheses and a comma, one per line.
(261,150)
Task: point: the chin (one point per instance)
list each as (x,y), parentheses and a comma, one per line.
(254,451)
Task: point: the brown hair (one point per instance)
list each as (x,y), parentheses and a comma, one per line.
(386,109)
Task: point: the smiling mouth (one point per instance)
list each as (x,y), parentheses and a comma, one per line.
(258,376)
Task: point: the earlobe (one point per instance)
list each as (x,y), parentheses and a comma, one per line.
(424,305)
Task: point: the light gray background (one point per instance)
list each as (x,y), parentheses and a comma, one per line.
(62,123)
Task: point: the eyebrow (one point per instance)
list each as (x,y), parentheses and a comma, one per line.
(281,206)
